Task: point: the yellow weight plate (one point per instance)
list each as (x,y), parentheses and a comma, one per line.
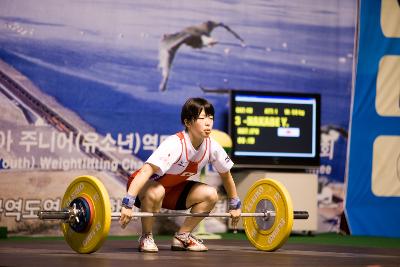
(268,194)
(93,191)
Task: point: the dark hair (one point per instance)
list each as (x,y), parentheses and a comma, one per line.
(193,107)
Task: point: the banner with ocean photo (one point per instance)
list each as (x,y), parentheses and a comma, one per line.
(89,87)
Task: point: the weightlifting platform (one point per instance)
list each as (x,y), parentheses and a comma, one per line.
(232,253)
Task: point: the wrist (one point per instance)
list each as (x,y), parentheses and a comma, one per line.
(234,203)
(128,201)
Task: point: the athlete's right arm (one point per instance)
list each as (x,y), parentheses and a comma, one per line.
(141,178)
(135,187)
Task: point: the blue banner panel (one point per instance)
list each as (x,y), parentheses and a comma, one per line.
(373,184)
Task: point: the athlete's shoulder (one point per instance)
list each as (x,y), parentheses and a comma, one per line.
(174,138)
(214,144)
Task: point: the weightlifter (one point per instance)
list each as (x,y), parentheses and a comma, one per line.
(163,181)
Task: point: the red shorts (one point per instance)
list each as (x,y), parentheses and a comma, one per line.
(175,196)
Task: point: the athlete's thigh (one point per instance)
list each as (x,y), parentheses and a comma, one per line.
(152,187)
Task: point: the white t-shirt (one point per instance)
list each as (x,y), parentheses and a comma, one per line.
(173,156)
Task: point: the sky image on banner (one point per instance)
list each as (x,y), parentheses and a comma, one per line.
(98,64)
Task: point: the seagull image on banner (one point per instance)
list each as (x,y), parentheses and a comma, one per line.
(194,36)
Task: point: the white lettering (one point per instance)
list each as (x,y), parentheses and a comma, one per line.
(130,164)
(253,199)
(18,163)
(276,231)
(50,163)
(90,236)
(187,174)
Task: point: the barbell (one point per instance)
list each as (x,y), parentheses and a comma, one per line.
(267,213)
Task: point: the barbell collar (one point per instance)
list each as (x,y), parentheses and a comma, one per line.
(302,215)
(53,215)
(68,215)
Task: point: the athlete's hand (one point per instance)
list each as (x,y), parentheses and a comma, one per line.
(126,217)
(235,215)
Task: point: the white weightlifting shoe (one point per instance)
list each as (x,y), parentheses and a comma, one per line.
(147,244)
(187,241)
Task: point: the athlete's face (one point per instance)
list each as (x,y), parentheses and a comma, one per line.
(201,128)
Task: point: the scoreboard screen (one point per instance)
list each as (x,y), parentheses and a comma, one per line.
(274,129)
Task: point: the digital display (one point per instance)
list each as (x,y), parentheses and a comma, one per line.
(275,129)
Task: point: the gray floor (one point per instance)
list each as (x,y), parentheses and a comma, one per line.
(221,252)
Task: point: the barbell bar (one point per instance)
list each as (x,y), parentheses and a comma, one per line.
(297,214)
(66,214)
(267,214)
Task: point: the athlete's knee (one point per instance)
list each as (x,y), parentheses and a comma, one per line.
(211,195)
(154,194)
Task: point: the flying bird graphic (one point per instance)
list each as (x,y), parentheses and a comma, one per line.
(198,36)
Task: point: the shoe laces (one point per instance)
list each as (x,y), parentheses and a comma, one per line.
(147,238)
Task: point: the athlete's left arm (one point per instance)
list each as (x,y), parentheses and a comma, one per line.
(230,188)
(229,184)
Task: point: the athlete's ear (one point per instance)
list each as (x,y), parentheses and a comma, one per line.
(187,123)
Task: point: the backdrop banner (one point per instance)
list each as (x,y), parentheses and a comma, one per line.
(373,184)
(94,87)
